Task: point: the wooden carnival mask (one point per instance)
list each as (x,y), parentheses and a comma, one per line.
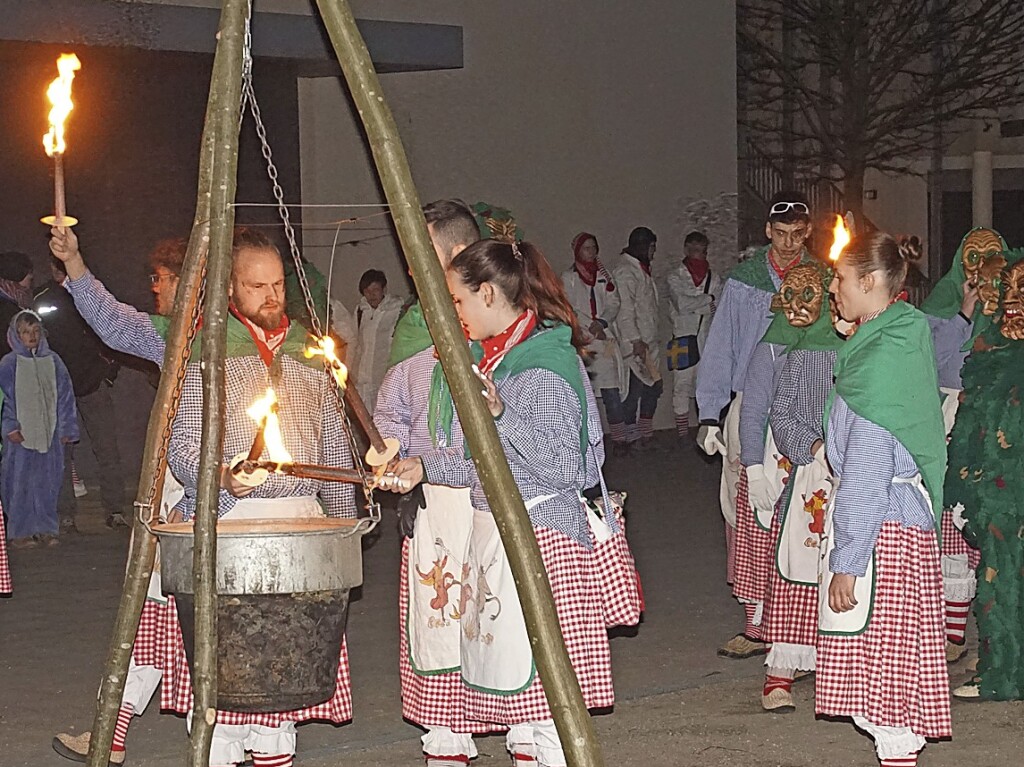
(1012,326)
(990,283)
(978,245)
(801,295)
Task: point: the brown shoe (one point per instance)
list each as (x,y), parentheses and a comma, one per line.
(76,748)
(23,543)
(741,647)
(778,701)
(49,540)
(955,651)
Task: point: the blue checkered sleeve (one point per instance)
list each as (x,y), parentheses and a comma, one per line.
(119,326)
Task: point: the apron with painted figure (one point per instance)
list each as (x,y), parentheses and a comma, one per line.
(803,524)
(496,653)
(777,469)
(439,559)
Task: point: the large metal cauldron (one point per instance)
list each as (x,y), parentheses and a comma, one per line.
(282,605)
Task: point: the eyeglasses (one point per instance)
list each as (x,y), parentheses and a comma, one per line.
(156,279)
(784,207)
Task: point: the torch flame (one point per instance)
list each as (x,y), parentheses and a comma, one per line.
(264,411)
(59,94)
(840,239)
(325,348)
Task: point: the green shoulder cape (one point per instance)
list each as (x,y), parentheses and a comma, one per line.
(886,374)
(755,270)
(241,344)
(548,348)
(411,335)
(819,336)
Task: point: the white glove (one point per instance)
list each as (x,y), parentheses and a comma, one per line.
(761,491)
(710,439)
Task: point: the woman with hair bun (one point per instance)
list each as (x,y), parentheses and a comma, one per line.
(525,335)
(881,655)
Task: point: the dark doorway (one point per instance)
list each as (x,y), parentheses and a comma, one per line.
(133,152)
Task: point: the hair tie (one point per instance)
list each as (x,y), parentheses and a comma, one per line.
(516,252)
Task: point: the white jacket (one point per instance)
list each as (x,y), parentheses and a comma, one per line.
(604,364)
(369,359)
(638,318)
(689,304)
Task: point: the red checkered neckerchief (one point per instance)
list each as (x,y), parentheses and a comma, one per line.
(497,347)
(267,341)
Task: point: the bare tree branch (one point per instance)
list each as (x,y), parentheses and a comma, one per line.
(863,88)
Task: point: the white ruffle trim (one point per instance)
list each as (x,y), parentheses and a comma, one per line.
(796,656)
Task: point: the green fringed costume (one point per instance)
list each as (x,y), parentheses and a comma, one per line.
(986,475)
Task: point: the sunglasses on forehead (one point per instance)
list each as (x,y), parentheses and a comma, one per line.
(784,207)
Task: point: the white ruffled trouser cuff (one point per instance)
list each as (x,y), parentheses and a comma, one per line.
(959,582)
(139,686)
(231,741)
(796,656)
(891,742)
(539,740)
(441,741)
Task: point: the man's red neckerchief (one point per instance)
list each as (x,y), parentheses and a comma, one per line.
(267,341)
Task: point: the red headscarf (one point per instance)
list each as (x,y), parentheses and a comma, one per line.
(588,270)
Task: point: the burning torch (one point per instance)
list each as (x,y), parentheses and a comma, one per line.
(59,94)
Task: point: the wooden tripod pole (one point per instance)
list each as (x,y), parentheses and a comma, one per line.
(224,111)
(154,460)
(563,691)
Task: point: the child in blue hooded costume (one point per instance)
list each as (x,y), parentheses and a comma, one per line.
(38,418)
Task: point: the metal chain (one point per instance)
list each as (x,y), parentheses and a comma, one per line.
(249,99)
(146,510)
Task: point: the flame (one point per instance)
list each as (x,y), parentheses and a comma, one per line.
(325,348)
(264,411)
(840,239)
(59,94)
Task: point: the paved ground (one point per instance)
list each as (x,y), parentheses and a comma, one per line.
(678,706)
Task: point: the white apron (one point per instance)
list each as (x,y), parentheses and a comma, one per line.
(856,620)
(797,549)
(438,563)
(496,653)
(173,492)
(289,507)
(731,461)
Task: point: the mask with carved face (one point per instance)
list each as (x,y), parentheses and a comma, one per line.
(978,245)
(990,283)
(1012,326)
(801,295)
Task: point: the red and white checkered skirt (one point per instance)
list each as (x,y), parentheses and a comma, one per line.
(434,700)
(176,691)
(576,584)
(894,673)
(6,587)
(752,548)
(149,635)
(953,541)
(790,609)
